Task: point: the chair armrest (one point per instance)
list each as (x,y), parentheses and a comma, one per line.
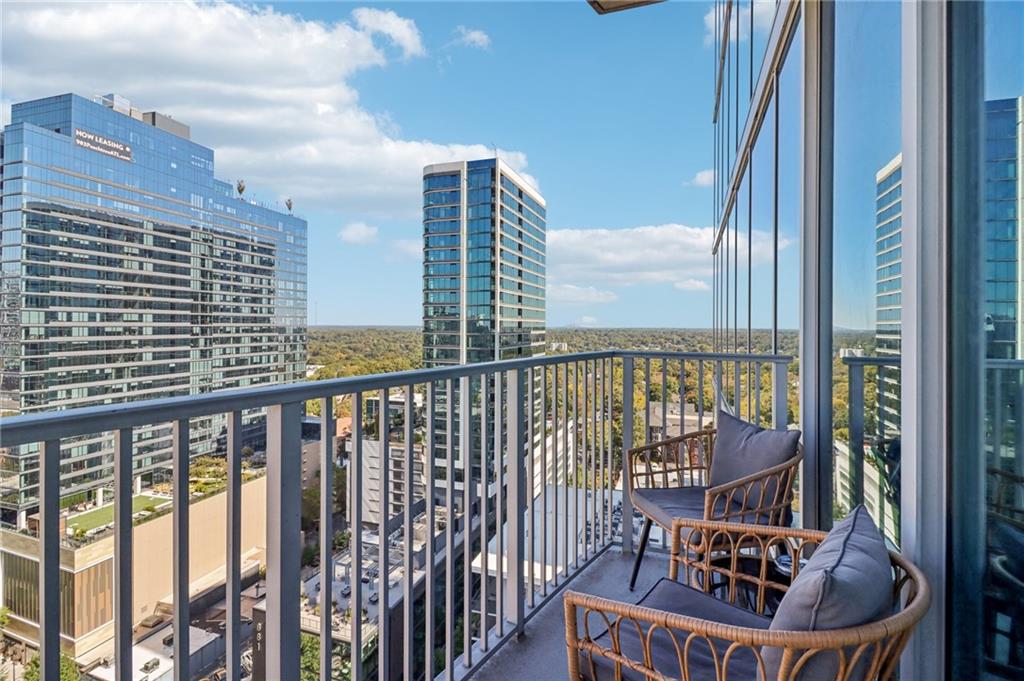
(739,555)
(646,622)
(660,464)
(763,497)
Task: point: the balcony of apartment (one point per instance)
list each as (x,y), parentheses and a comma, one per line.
(465,577)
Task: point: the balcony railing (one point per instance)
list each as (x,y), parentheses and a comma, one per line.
(531,493)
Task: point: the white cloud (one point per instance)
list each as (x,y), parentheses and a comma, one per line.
(571,293)
(691,285)
(670,254)
(402,32)
(410,248)
(764,13)
(358,233)
(270,91)
(472,37)
(587,320)
(703,178)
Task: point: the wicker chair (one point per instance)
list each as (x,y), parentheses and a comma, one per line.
(716,629)
(667,482)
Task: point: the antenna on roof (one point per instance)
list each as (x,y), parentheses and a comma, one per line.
(495,147)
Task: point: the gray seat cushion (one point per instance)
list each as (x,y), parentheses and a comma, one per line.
(662,505)
(847,582)
(742,449)
(674,597)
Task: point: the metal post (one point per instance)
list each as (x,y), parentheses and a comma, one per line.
(466,454)
(384,516)
(516,498)
(780,395)
(408,609)
(326,535)
(123,554)
(485,500)
(856,419)
(449,532)
(182,620)
(284,446)
(49,559)
(627,444)
(355,512)
(233,577)
(428,554)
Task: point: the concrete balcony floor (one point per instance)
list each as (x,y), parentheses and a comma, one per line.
(540,654)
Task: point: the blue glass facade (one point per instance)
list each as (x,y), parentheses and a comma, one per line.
(484,264)
(130,272)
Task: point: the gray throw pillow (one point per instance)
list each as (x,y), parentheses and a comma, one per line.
(847,582)
(742,449)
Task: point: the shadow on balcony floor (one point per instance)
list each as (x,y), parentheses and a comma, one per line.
(540,655)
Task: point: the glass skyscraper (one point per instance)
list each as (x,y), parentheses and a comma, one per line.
(131,272)
(484,264)
(484,268)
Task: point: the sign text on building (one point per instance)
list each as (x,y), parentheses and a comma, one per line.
(89,140)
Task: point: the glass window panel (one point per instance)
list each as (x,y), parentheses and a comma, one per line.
(789,196)
(762,224)
(998,497)
(867,148)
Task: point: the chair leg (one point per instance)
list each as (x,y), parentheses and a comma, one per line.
(640,552)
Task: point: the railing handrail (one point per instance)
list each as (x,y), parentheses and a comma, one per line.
(53,425)
(887,361)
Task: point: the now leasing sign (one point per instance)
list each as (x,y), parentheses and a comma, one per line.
(99,143)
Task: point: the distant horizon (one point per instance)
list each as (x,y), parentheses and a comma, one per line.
(578,328)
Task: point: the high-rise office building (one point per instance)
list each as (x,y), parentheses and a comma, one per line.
(484,264)
(1004,222)
(888,289)
(484,269)
(130,272)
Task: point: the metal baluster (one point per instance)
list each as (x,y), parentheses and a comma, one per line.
(49,558)
(355,510)
(123,577)
(682,396)
(780,398)
(516,498)
(855,400)
(565,465)
(485,500)
(499,506)
(627,444)
(664,400)
(179,532)
(757,393)
(647,400)
(584,465)
(592,489)
(431,549)
(233,581)
(530,487)
(466,452)
(737,400)
(449,533)
(545,481)
(326,535)
(555,468)
(719,388)
(384,516)
(576,465)
(700,394)
(408,606)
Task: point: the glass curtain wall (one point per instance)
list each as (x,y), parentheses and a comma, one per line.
(866,261)
(986,548)
(757,157)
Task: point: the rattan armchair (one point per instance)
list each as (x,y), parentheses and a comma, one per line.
(739,583)
(668,482)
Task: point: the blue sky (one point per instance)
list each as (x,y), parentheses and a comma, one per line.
(339,106)
(611,112)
